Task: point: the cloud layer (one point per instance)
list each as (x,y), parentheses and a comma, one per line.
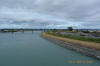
(49,13)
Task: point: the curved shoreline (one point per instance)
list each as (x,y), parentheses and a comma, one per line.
(77,42)
(76,45)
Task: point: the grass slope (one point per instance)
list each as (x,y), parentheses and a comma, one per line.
(75,37)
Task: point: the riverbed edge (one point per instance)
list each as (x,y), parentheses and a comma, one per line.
(93,52)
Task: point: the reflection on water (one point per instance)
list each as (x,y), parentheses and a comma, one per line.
(29,49)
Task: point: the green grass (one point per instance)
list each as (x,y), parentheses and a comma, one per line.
(75,37)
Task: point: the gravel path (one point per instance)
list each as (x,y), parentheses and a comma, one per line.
(91,52)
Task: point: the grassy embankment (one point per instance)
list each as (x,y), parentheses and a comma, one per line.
(81,41)
(81,38)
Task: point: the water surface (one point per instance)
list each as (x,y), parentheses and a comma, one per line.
(29,49)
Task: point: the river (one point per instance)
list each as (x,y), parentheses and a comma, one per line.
(29,49)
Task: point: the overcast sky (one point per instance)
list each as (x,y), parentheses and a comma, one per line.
(49,13)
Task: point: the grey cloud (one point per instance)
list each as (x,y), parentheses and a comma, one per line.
(50,13)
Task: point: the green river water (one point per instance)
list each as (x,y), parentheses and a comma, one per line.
(29,49)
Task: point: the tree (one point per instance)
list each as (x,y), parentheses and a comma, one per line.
(70,28)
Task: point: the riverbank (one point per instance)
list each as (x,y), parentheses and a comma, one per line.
(86,48)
